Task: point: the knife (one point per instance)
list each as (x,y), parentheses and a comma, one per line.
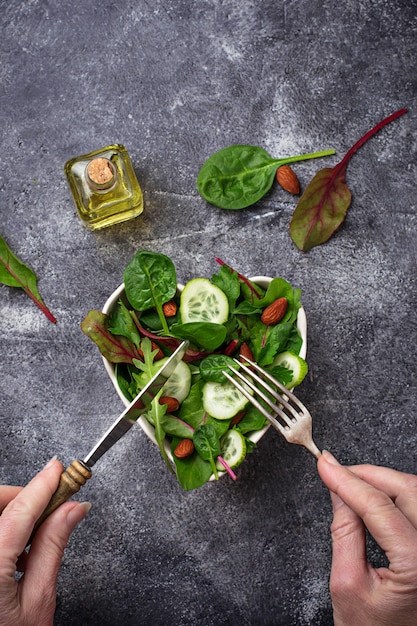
(77,474)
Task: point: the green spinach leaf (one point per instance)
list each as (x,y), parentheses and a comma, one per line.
(247,285)
(121,323)
(151,320)
(246,308)
(278,288)
(207,335)
(228,281)
(252,420)
(193,471)
(207,444)
(150,280)
(212,367)
(176,427)
(240,175)
(123,373)
(192,410)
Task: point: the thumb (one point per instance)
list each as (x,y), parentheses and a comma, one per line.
(47,549)
(349,562)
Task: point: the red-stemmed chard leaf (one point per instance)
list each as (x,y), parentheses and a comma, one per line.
(170,342)
(114,348)
(14,273)
(324,203)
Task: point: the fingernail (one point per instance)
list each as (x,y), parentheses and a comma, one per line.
(85,507)
(51,462)
(78,513)
(330,458)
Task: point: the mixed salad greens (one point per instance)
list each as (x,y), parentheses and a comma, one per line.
(206,421)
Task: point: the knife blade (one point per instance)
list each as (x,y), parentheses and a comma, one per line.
(135,409)
(77,474)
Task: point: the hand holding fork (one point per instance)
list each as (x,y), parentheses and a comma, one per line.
(379,499)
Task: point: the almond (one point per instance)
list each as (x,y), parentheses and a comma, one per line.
(288,180)
(274,312)
(172,403)
(184,448)
(169,308)
(245,351)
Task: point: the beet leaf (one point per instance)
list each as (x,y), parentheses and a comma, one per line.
(115,348)
(324,203)
(14,273)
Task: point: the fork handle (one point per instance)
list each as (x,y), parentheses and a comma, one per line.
(71,481)
(311,447)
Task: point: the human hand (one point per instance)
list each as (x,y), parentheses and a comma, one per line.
(31,600)
(385,502)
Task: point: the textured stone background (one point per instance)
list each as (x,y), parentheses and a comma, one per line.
(175,81)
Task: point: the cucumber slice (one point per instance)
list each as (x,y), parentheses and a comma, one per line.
(222,400)
(179,383)
(201,301)
(295,364)
(233,449)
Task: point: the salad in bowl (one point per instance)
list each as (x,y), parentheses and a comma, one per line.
(204,427)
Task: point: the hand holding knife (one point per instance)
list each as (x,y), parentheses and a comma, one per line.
(77,474)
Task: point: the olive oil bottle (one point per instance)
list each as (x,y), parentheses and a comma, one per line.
(104,187)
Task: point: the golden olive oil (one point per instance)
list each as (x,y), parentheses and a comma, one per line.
(104,187)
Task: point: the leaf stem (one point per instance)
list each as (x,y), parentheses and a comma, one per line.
(42,306)
(162,318)
(304,157)
(37,300)
(227,468)
(349,154)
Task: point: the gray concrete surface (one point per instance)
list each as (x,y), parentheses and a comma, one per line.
(175,81)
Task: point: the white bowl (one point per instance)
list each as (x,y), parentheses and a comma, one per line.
(119,293)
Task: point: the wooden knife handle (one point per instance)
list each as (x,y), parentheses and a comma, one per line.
(71,481)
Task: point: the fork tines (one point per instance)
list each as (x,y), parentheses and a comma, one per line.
(294,423)
(247,386)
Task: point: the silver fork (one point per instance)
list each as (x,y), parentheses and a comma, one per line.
(296,422)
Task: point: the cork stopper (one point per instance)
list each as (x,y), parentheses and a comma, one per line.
(100,174)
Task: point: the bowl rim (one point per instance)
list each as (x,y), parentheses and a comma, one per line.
(262,281)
